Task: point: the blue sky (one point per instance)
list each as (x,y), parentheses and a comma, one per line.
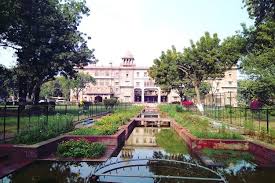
(147,27)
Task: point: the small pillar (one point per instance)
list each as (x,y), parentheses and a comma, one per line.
(142,95)
(159,96)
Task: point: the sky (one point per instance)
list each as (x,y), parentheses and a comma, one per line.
(147,27)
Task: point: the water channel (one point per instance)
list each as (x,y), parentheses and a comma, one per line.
(142,144)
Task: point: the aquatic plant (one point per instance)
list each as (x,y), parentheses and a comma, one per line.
(80,149)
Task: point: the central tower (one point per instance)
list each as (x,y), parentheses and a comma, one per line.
(128,60)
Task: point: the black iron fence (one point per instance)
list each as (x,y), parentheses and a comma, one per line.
(260,120)
(14,119)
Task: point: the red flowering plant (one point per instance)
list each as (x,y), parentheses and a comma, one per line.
(187,103)
(255,104)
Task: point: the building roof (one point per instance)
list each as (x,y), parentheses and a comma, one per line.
(128,54)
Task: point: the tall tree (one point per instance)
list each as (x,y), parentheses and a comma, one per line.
(259,63)
(208,58)
(48,42)
(261,10)
(166,74)
(4,76)
(80,83)
(255,89)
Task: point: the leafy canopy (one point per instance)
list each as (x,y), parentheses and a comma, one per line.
(47,41)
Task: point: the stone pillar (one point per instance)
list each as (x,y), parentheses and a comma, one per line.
(142,95)
(159,96)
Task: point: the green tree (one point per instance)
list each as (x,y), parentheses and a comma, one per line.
(208,58)
(48,89)
(4,77)
(47,42)
(254,89)
(261,10)
(166,74)
(80,83)
(259,63)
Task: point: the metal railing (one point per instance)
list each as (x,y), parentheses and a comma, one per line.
(14,119)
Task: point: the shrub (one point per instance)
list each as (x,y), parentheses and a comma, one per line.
(179,108)
(110,103)
(187,103)
(256,104)
(80,149)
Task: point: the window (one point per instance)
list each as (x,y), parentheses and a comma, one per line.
(229,74)
(107,73)
(96,73)
(145,74)
(218,83)
(137,74)
(117,83)
(127,75)
(230,82)
(101,83)
(137,83)
(107,83)
(116,89)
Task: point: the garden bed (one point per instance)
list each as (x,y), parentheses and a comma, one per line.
(109,125)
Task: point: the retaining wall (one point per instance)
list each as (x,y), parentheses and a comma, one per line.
(194,143)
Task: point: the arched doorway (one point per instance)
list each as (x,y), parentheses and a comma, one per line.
(151,95)
(137,94)
(98,99)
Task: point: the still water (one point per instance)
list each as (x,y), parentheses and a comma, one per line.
(142,144)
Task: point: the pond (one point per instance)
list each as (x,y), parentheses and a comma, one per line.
(143,143)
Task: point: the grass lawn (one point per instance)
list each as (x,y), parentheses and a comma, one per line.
(197,125)
(28,118)
(239,116)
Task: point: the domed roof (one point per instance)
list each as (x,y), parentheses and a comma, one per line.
(128,54)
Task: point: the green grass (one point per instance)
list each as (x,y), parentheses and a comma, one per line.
(171,142)
(44,130)
(80,149)
(108,125)
(28,119)
(197,125)
(239,116)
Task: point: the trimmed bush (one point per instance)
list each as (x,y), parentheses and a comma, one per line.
(80,149)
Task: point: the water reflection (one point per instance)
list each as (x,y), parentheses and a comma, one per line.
(54,172)
(141,144)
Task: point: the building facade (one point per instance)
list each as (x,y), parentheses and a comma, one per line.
(128,83)
(131,83)
(223,90)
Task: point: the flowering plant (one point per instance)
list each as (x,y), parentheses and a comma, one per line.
(187,103)
(255,104)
